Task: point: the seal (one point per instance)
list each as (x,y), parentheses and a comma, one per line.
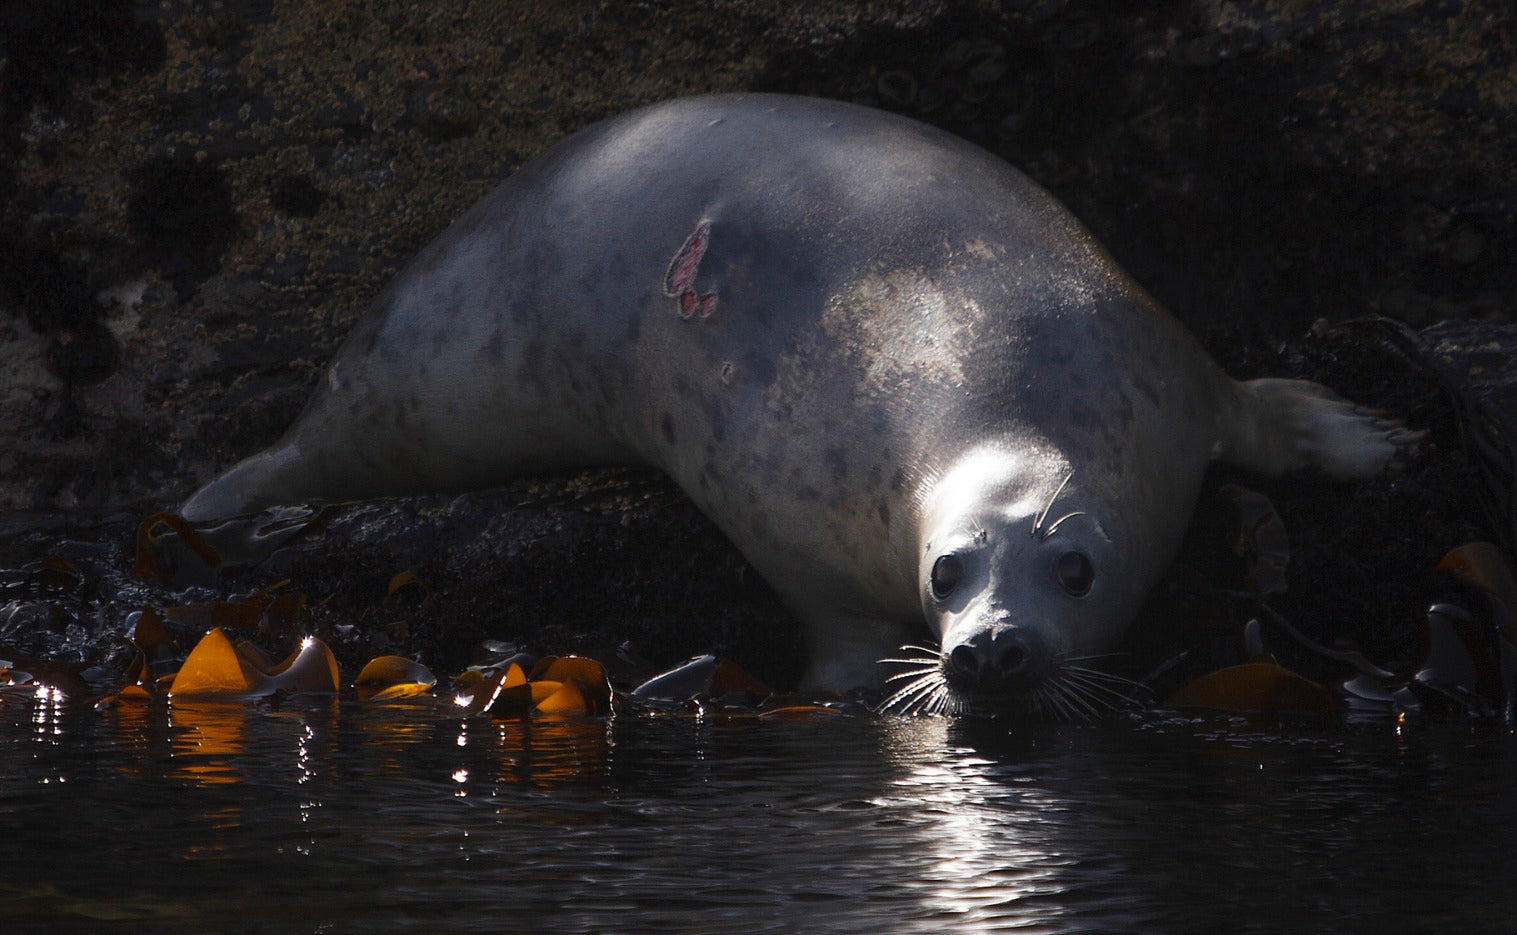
(904,381)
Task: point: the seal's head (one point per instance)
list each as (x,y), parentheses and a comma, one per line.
(1021,582)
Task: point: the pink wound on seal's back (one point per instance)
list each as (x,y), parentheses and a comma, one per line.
(679,281)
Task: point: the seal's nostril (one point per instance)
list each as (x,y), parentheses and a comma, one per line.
(964,661)
(1013,657)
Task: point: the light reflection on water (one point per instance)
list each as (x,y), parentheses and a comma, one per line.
(345,817)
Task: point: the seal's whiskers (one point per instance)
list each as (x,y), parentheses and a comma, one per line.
(1072,692)
(1123,690)
(906,675)
(1048,700)
(1079,693)
(930,653)
(914,696)
(927,692)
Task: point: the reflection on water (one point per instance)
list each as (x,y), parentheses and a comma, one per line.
(341,817)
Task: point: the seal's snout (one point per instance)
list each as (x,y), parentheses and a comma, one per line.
(995,661)
(1009,656)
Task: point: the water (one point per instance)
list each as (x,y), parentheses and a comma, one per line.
(344,817)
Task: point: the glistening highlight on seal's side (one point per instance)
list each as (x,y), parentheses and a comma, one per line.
(929,401)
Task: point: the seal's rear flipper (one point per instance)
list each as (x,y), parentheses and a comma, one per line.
(1276,426)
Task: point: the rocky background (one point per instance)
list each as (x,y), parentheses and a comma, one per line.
(197,199)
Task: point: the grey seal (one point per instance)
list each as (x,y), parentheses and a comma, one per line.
(903,379)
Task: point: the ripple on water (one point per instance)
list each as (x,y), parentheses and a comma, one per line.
(402,817)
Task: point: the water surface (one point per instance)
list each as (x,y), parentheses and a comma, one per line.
(342,817)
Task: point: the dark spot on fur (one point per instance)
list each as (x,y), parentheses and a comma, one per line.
(1056,353)
(666,424)
(837,461)
(718,421)
(758,369)
(898,479)
(531,361)
(598,410)
(1081,415)
(884,513)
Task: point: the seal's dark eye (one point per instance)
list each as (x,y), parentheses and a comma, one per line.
(1075,573)
(947,572)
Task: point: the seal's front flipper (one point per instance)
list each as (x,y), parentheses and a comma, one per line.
(1276,426)
(269,478)
(845,652)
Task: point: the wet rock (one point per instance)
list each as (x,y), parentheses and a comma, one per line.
(297,196)
(182,215)
(1466,245)
(442,112)
(897,88)
(83,355)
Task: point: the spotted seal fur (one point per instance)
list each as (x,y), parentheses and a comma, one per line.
(903,380)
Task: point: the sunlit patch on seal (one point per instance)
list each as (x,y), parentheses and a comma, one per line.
(679,281)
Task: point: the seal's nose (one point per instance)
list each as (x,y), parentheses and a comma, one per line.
(993,660)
